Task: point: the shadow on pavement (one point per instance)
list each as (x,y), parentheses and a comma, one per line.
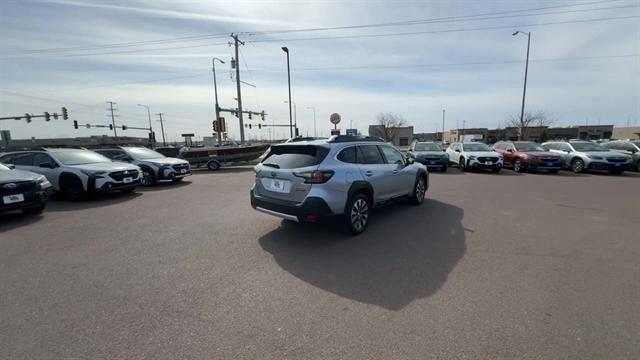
(224,170)
(16,219)
(57,203)
(406,253)
(164,185)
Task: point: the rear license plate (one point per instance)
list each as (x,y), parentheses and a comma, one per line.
(277,185)
(10,199)
(183,171)
(127,180)
(489,162)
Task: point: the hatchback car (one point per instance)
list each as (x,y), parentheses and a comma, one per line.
(527,155)
(581,155)
(77,172)
(429,154)
(631,148)
(154,166)
(22,190)
(344,175)
(474,155)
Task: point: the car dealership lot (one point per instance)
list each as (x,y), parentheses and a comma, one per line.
(490,266)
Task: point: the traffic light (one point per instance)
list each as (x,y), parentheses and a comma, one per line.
(259,126)
(27,117)
(75,124)
(124,127)
(250,116)
(222,126)
(249,126)
(65,113)
(262,115)
(55,116)
(47,116)
(110,126)
(235,113)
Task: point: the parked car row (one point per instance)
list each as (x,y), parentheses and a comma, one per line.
(574,155)
(28,177)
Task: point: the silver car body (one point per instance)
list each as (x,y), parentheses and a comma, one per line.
(601,160)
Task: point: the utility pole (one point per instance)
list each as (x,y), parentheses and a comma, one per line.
(236,42)
(463,124)
(526,70)
(215,91)
(315,133)
(458,129)
(164,140)
(113,121)
(286,50)
(442,126)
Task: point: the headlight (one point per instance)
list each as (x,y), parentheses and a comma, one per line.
(594,157)
(472,157)
(43,182)
(157,164)
(97,174)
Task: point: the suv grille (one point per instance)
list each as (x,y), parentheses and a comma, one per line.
(180,167)
(119,175)
(549,159)
(485,159)
(21,187)
(616,159)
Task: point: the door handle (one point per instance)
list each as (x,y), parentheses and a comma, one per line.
(395,172)
(368,173)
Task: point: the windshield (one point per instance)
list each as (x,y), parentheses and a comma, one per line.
(427,147)
(476,147)
(3,168)
(79,157)
(587,146)
(143,153)
(525,147)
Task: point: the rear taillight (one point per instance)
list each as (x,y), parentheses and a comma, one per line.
(315,177)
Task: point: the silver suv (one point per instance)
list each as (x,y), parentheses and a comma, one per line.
(344,175)
(154,165)
(582,155)
(76,172)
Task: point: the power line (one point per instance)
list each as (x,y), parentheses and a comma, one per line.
(444,31)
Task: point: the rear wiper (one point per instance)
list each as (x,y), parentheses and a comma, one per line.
(272,165)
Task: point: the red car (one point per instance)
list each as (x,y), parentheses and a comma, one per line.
(527,155)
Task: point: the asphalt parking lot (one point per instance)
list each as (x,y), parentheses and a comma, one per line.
(507,266)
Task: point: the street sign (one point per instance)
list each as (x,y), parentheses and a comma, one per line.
(334,118)
(335,132)
(352,132)
(187,135)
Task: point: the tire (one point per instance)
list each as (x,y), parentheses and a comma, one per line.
(358,214)
(213,165)
(553,171)
(419,191)
(577,165)
(517,166)
(128,190)
(638,166)
(35,210)
(177,180)
(72,189)
(616,172)
(496,170)
(148,177)
(462,164)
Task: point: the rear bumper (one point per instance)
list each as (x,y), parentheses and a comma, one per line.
(31,199)
(309,210)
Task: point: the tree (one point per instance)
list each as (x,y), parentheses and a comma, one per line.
(535,119)
(388,124)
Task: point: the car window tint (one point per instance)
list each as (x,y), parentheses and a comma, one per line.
(392,155)
(7,159)
(370,155)
(42,159)
(23,159)
(348,155)
(295,156)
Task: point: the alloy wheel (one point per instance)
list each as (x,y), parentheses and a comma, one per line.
(517,166)
(359,214)
(421,189)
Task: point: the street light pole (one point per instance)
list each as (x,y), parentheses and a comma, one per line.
(526,70)
(286,50)
(315,133)
(442,127)
(215,91)
(295,115)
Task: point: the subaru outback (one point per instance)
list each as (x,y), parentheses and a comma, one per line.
(343,176)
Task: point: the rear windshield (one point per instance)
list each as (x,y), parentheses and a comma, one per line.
(294,156)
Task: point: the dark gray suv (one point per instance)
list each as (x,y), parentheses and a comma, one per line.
(344,175)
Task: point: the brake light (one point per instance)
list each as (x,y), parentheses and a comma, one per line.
(315,177)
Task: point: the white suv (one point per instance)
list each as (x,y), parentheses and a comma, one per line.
(154,165)
(474,155)
(77,172)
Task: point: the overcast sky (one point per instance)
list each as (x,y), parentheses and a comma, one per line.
(585,62)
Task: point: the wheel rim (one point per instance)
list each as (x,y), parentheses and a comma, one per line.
(359,214)
(578,166)
(461,163)
(421,189)
(516,166)
(146,178)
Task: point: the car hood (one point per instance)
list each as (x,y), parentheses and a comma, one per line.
(166,161)
(605,154)
(429,153)
(106,166)
(17,175)
(483,153)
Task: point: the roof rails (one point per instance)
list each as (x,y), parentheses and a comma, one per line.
(353,138)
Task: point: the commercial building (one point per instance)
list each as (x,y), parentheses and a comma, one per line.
(626,133)
(399,136)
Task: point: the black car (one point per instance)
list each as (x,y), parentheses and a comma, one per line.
(22,190)
(430,154)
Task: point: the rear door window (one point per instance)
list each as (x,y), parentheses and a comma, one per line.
(23,159)
(295,156)
(348,155)
(370,155)
(42,159)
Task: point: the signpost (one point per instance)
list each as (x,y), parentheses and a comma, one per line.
(352,132)
(335,120)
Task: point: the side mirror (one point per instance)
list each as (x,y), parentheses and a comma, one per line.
(11,166)
(457,150)
(410,160)
(46,165)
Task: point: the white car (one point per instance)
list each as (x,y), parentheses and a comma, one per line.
(474,155)
(154,165)
(76,172)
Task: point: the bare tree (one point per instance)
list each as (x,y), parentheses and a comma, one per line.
(388,124)
(531,119)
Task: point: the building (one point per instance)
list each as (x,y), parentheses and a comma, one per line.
(399,136)
(436,136)
(626,133)
(584,132)
(479,134)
